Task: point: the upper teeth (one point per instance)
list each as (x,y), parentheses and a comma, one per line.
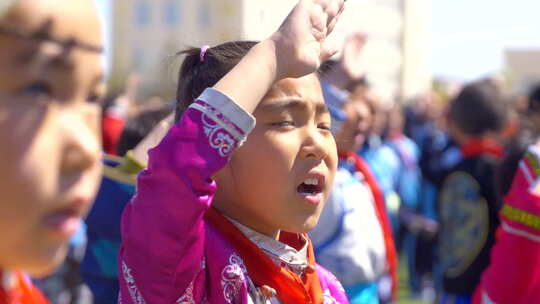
(311,181)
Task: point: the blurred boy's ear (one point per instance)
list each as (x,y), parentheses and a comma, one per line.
(5,5)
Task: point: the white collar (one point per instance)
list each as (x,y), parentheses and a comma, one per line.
(282,254)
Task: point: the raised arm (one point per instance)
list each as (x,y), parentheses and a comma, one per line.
(162,227)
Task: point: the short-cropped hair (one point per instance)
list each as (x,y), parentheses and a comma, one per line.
(479,108)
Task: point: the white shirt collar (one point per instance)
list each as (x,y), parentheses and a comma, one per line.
(282,254)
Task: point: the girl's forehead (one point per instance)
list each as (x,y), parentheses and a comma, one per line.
(307,89)
(297,95)
(73,24)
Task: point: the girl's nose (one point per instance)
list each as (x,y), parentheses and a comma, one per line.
(314,145)
(81,149)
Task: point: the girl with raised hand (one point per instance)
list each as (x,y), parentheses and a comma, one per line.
(220,216)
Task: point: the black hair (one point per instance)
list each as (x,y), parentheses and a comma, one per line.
(514,151)
(327,66)
(110,99)
(479,108)
(534,99)
(196,75)
(518,145)
(138,127)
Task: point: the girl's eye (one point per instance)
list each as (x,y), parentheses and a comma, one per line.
(94,98)
(325,127)
(283,124)
(38,89)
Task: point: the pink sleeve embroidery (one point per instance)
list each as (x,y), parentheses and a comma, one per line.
(162,227)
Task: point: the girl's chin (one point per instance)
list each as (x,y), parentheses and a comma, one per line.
(48,262)
(308,225)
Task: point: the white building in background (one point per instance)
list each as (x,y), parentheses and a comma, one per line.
(146,32)
(522,68)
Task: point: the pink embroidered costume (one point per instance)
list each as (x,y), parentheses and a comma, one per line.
(513,275)
(170,252)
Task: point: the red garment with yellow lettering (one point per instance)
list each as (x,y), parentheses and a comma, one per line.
(513,275)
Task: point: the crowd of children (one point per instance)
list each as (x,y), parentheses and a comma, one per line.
(301,186)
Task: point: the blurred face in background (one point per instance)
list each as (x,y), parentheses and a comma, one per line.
(396,121)
(380,121)
(355,129)
(51,82)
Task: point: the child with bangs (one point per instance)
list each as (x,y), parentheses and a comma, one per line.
(221,213)
(51,79)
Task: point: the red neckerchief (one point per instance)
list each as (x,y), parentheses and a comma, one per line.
(482,146)
(290,288)
(23,292)
(382,215)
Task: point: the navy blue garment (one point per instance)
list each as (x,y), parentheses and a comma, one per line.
(99,266)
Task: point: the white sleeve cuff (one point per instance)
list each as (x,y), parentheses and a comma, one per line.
(230,109)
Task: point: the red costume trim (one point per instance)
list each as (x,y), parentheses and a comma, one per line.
(290,288)
(23,292)
(382,215)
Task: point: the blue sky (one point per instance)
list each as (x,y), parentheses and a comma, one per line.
(469,36)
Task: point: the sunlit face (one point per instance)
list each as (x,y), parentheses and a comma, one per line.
(355,129)
(282,175)
(49,130)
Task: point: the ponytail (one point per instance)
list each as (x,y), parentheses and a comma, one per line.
(200,72)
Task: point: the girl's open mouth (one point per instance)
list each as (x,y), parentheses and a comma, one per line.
(311,189)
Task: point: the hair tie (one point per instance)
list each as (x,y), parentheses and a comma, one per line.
(203,52)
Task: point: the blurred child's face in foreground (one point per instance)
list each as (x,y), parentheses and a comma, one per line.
(49,131)
(282,175)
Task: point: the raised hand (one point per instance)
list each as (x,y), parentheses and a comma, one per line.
(351,59)
(350,67)
(296,49)
(300,42)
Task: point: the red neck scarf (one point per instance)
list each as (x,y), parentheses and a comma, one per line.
(382,216)
(482,146)
(23,292)
(290,288)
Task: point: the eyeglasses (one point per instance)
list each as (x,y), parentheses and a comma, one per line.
(44,36)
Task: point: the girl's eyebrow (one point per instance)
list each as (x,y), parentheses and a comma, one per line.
(286,104)
(292,104)
(43,35)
